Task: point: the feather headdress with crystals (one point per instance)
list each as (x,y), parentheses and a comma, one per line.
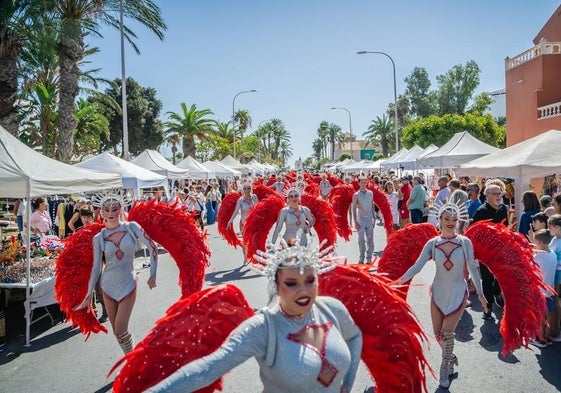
(458,210)
(120,196)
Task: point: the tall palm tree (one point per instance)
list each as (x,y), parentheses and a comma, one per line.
(243,120)
(380,132)
(81,17)
(191,123)
(279,134)
(285,152)
(335,137)
(317,146)
(322,132)
(15,18)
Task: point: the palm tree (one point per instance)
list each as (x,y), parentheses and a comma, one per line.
(335,137)
(317,146)
(380,132)
(279,134)
(78,18)
(285,152)
(191,123)
(322,132)
(243,119)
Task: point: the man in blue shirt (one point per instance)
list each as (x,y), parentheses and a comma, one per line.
(473,202)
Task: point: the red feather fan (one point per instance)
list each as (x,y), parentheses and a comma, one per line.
(312,189)
(509,257)
(225,212)
(325,224)
(262,191)
(73,271)
(312,179)
(340,198)
(176,231)
(403,248)
(355,184)
(334,180)
(381,200)
(258,223)
(193,327)
(392,337)
(270,181)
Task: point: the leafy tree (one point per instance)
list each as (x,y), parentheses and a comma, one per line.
(285,151)
(322,132)
(439,129)
(91,126)
(191,123)
(456,88)
(78,18)
(380,132)
(317,146)
(422,100)
(143,109)
(279,134)
(481,104)
(243,120)
(334,137)
(344,156)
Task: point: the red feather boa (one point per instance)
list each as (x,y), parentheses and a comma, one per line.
(402,250)
(258,223)
(193,327)
(325,224)
(225,212)
(341,198)
(73,271)
(169,225)
(508,255)
(392,337)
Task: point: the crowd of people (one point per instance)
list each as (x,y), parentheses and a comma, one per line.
(452,205)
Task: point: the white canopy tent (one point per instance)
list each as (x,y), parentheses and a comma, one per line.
(410,160)
(25,173)
(461,148)
(233,163)
(133,176)
(155,162)
(257,167)
(393,161)
(533,158)
(196,169)
(357,167)
(221,170)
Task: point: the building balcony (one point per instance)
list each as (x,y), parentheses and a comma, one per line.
(551,110)
(543,48)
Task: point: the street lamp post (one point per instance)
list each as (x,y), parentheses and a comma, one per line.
(362,52)
(234,113)
(123,87)
(350,128)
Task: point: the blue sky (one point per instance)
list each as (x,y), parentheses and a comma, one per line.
(301,54)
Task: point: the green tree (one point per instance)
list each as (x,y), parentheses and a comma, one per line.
(456,88)
(279,134)
(145,129)
(78,18)
(317,146)
(422,100)
(380,132)
(191,123)
(243,120)
(439,129)
(481,104)
(334,137)
(323,135)
(91,126)
(285,151)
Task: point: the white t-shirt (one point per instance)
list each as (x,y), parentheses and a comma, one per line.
(548,266)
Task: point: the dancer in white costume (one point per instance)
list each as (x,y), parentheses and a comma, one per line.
(451,252)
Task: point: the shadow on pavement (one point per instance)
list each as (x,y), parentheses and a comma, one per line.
(106,388)
(222,276)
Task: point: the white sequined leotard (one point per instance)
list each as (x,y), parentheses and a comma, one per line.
(118,278)
(293,219)
(287,364)
(449,286)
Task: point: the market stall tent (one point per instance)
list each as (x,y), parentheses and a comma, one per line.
(25,173)
(196,169)
(133,176)
(233,163)
(530,159)
(221,170)
(155,162)
(461,148)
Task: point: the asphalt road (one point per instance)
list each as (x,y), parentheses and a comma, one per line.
(59,360)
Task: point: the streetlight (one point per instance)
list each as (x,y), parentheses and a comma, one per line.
(350,128)
(124,87)
(234,113)
(362,52)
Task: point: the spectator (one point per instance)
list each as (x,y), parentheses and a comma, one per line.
(473,202)
(403,195)
(531,206)
(546,205)
(539,221)
(416,201)
(554,224)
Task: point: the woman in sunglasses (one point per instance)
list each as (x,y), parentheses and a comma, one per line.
(293,217)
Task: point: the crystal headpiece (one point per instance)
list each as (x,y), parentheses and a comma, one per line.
(296,256)
(296,189)
(120,196)
(460,211)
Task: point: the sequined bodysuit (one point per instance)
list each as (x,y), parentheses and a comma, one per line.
(449,287)
(293,219)
(288,362)
(118,278)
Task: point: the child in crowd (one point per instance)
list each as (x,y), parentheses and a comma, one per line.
(554,224)
(548,265)
(539,221)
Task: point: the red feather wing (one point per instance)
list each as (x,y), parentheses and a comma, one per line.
(325,224)
(73,271)
(258,223)
(334,180)
(508,255)
(262,191)
(312,189)
(402,250)
(193,327)
(341,198)
(226,210)
(381,200)
(392,337)
(169,225)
